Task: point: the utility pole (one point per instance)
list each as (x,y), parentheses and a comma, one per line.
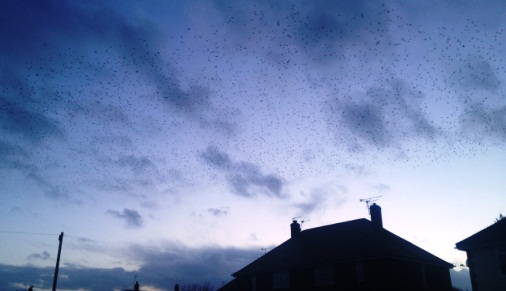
(60,238)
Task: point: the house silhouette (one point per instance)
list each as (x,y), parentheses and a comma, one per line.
(486,257)
(352,255)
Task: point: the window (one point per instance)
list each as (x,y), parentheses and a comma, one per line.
(501,255)
(324,276)
(281,280)
(254,283)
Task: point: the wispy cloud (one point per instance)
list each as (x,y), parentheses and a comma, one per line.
(319,199)
(246,179)
(131,217)
(42,256)
(222,211)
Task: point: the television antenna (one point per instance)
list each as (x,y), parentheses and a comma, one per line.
(369,200)
(301,221)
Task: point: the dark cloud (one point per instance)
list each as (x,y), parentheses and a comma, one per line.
(381,187)
(42,256)
(366,122)
(14,157)
(131,217)
(316,31)
(137,165)
(476,73)
(218,211)
(183,266)
(246,179)
(480,121)
(217,159)
(319,199)
(314,202)
(381,117)
(86,45)
(359,170)
(161,269)
(51,190)
(16,117)
(70,278)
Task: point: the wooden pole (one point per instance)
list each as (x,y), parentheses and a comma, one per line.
(60,238)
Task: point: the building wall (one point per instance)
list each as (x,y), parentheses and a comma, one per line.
(377,275)
(485,269)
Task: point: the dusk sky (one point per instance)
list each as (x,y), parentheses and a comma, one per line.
(175,141)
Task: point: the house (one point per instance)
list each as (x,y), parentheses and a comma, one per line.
(352,255)
(486,257)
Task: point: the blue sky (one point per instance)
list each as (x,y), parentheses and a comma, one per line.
(167,137)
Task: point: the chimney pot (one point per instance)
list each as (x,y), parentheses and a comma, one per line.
(376,218)
(295,228)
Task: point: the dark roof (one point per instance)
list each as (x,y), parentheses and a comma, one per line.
(354,240)
(491,236)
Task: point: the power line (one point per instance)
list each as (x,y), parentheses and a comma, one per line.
(24,232)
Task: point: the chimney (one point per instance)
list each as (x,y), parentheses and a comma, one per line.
(376,215)
(295,228)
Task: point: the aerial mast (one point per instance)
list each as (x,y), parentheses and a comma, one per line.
(369,200)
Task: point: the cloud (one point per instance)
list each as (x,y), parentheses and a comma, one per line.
(138,165)
(381,187)
(320,198)
(160,268)
(315,31)
(53,52)
(70,278)
(461,279)
(479,121)
(218,211)
(42,256)
(51,190)
(131,217)
(13,157)
(381,117)
(476,73)
(183,266)
(16,117)
(314,202)
(246,179)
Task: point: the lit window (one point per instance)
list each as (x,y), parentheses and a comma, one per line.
(281,280)
(324,276)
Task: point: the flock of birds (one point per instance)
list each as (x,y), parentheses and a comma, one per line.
(267,81)
(249,93)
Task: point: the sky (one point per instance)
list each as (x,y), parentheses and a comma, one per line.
(175,141)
